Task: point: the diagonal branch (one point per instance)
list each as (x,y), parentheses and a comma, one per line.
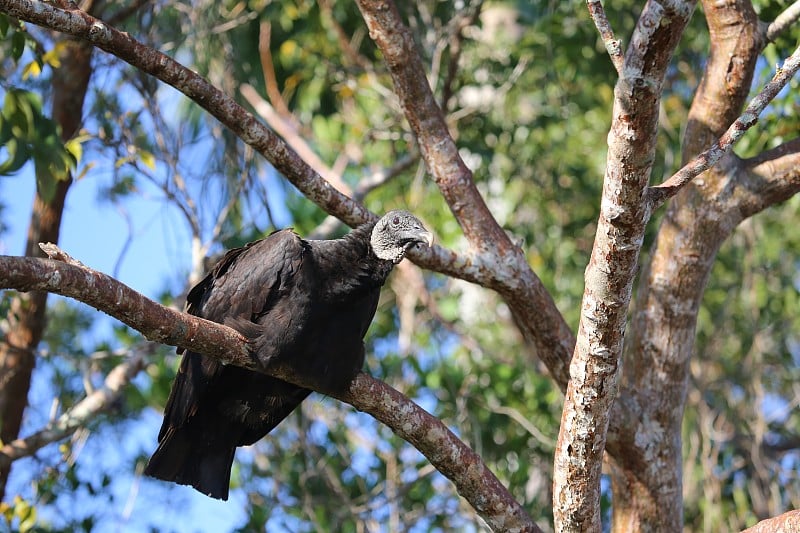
(613,45)
(427,121)
(658,194)
(495,262)
(287,130)
(453,458)
(782,22)
(506,268)
(771,177)
(367,184)
(80,414)
(776,162)
(246,126)
(83,26)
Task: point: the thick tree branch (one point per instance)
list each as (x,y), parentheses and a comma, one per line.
(647,452)
(245,125)
(427,121)
(504,263)
(504,268)
(595,367)
(83,26)
(660,193)
(769,178)
(473,480)
(776,162)
(787,522)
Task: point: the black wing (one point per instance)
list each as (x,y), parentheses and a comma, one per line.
(245,284)
(213,408)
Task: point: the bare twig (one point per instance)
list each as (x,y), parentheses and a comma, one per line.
(613,45)
(782,22)
(54,252)
(286,129)
(80,414)
(455,39)
(348,46)
(452,457)
(658,194)
(368,183)
(268,68)
(526,424)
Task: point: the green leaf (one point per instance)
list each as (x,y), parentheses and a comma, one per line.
(45,183)
(75,147)
(53,56)
(17,45)
(18,155)
(4,25)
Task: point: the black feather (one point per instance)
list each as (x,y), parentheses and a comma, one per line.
(308,303)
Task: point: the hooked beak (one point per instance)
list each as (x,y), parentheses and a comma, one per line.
(427,236)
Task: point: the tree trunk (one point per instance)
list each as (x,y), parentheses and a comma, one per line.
(26,316)
(647,458)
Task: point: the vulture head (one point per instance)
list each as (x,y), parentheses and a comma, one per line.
(395,233)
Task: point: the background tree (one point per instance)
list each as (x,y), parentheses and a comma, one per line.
(514,131)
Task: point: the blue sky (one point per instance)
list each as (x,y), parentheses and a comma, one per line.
(93,232)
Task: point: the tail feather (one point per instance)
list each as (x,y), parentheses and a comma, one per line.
(179,459)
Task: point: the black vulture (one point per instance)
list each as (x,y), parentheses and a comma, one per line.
(305,302)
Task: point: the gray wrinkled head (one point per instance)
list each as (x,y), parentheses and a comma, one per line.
(396,232)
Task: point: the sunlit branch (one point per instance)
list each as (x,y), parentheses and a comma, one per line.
(613,45)
(426,119)
(466,18)
(782,155)
(496,259)
(772,176)
(75,22)
(247,127)
(452,457)
(660,193)
(596,364)
(789,521)
(268,68)
(782,22)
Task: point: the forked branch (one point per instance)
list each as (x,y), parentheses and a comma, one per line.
(658,194)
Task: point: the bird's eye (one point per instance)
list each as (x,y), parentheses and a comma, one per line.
(395,221)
